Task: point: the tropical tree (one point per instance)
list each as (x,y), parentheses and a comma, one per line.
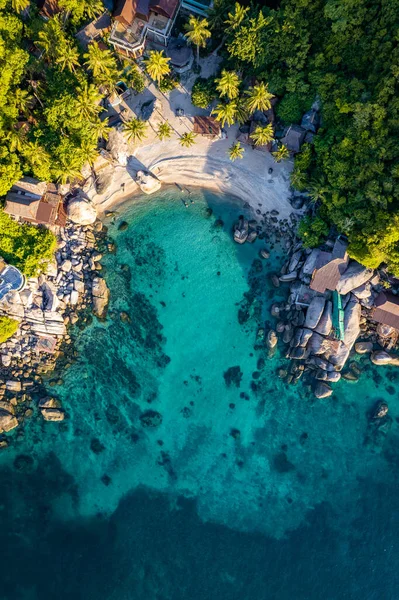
(234,19)
(281,154)
(228,84)
(16,139)
(226,113)
(135,130)
(68,58)
(187,139)
(51,38)
(258,97)
(93,8)
(242,113)
(262,135)
(236,151)
(164,131)
(197,32)
(19,5)
(22,100)
(87,101)
(100,129)
(157,65)
(101,63)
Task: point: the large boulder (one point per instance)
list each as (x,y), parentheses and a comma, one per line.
(7,421)
(363,347)
(352,314)
(81,211)
(322,390)
(354,277)
(147,182)
(53,414)
(118,146)
(324,326)
(100,293)
(314,312)
(311,262)
(380,357)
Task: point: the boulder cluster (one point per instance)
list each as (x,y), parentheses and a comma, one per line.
(305,323)
(64,295)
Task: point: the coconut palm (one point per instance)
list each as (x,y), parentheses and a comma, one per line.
(135,130)
(262,135)
(16,139)
(100,129)
(234,19)
(100,62)
(228,84)
(259,97)
(236,151)
(51,38)
(164,131)
(226,113)
(281,153)
(197,32)
(23,100)
(68,58)
(187,139)
(157,65)
(93,8)
(87,101)
(242,113)
(19,5)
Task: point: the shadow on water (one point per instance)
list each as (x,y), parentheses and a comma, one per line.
(149,549)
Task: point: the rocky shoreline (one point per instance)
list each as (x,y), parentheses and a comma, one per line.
(66,295)
(304,323)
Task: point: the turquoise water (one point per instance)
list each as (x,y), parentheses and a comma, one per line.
(242,488)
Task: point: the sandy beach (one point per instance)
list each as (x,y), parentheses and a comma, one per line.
(206,164)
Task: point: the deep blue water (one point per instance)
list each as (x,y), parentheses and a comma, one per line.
(244,488)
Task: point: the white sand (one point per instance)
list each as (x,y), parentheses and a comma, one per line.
(206,164)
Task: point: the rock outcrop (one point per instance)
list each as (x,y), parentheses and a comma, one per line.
(81,211)
(355,276)
(101,295)
(147,182)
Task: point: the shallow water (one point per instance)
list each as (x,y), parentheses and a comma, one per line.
(244,488)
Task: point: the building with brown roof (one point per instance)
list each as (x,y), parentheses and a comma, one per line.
(293,138)
(48,8)
(136,21)
(94,30)
(386,310)
(329,268)
(207,126)
(35,202)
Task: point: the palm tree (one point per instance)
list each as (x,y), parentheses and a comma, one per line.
(226,113)
(281,153)
(67,172)
(263,135)
(235,18)
(135,129)
(68,58)
(187,139)
(164,131)
(259,97)
(157,65)
(101,63)
(51,38)
(16,139)
(93,8)
(236,151)
(228,84)
(23,100)
(197,32)
(100,129)
(19,5)
(87,101)
(242,114)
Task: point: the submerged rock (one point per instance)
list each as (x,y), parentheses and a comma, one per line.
(271,339)
(322,390)
(151,418)
(53,414)
(380,410)
(233,376)
(101,295)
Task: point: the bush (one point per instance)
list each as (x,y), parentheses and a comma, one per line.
(312,231)
(291,108)
(136,80)
(8,327)
(203,92)
(25,246)
(167,84)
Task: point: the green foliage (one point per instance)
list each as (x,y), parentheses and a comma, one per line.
(197,32)
(136,130)
(203,92)
(291,108)
(157,65)
(236,151)
(312,231)
(228,84)
(8,327)
(164,131)
(262,135)
(187,139)
(167,84)
(25,246)
(49,105)
(135,78)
